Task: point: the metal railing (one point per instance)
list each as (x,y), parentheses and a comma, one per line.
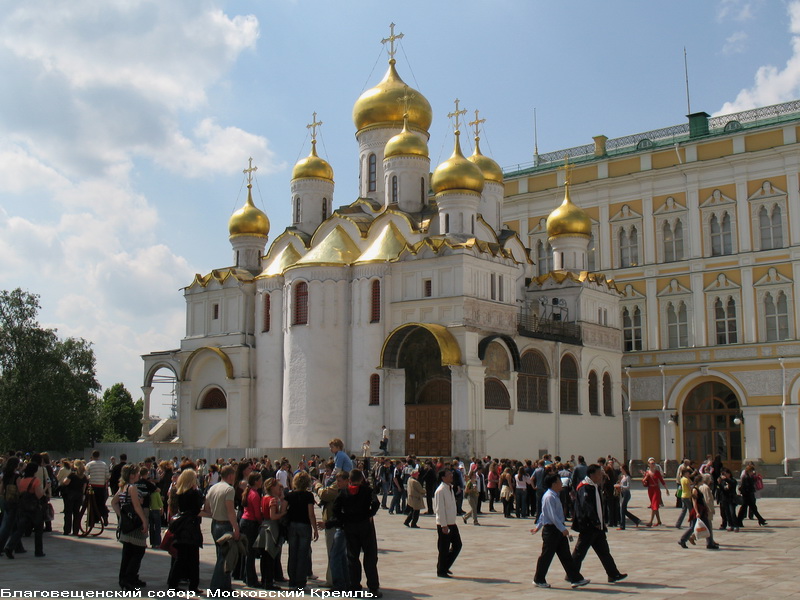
(673,133)
(533,326)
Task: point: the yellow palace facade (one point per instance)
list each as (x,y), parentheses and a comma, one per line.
(699,226)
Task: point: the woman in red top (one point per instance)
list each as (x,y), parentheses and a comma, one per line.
(250,523)
(492,485)
(273,508)
(652,481)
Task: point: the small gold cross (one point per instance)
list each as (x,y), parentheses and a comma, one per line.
(477,122)
(313,127)
(567,168)
(391,39)
(405,99)
(249,171)
(457,113)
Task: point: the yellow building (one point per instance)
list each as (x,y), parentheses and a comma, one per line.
(699,226)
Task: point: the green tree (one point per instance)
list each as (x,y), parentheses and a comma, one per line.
(120,417)
(47,384)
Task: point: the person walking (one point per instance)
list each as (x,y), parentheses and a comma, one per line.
(471,492)
(748,487)
(699,511)
(219,504)
(624,487)
(589,522)
(449,540)
(416,500)
(685,483)
(555,536)
(652,480)
(726,491)
(133,542)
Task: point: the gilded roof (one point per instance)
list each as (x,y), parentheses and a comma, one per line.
(282,261)
(382,104)
(336,249)
(388,246)
(221,275)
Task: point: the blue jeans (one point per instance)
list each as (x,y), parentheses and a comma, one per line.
(386,485)
(220,580)
(686,506)
(155,528)
(7,526)
(520,502)
(338,561)
(299,548)
(623,510)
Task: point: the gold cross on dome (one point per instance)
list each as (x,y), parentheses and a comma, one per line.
(477,122)
(249,171)
(405,99)
(391,39)
(567,168)
(313,127)
(457,113)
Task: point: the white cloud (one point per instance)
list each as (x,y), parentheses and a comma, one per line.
(773,85)
(738,10)
(735,43)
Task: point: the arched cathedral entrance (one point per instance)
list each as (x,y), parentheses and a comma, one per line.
(708,427)
(425,352)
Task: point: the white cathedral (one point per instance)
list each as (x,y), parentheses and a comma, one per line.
(411,307)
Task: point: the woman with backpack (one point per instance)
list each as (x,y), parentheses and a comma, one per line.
(29,510)
(135,541)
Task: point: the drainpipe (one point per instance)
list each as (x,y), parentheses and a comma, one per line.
(557,399)
(664,412)
(783,417)
(626,417)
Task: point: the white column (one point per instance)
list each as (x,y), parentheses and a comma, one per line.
(743,217)
(653,316)
(695,228)
(791,429)
(752,435)
(146,391)
(748,306)
(796,292)
(793,206)
(700,333)
(649,237)
(604,243)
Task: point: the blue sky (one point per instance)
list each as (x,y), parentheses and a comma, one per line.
(125,125)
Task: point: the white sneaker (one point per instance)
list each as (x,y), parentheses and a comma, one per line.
(580,583)
(541,584)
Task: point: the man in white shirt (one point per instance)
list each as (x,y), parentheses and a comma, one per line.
(98,473)
(444,507)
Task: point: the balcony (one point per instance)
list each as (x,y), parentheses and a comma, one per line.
(549,329)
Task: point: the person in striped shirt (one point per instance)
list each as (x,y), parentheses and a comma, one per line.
(99,474)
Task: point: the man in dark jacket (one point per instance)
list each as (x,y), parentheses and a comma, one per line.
(355,509)
(589,522)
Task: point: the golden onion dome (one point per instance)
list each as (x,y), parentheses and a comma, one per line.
(406,143)
(457,173)
(249,220)
(568,219)
(490,169)
(383,104)
(313,166)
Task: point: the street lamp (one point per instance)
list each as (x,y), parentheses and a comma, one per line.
(673,419)
(738,419)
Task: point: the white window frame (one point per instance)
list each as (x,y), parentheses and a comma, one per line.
(631,308)
(675,293)
(718,205)
(773,283)
(769,197)
(625,220)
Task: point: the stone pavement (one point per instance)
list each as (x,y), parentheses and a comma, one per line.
(497,561)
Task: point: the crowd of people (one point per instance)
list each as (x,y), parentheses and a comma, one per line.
(257,506)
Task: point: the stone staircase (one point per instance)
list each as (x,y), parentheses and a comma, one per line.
(782,487)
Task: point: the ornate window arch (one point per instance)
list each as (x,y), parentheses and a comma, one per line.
(628,246)
(726,327)
(374,389)
(533,392)
(568,388)
(297,212)
(212,398)
(300,314)
(495,394)
(324,208)
(776,315)
(267,312)
(372,173)
(632,328)
(594,403)
(375,301)
(608,404)
(395,190)
(768,215)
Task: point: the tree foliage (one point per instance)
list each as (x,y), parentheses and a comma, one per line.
(120,417)
(47,384)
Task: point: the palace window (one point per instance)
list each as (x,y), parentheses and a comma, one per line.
(594,404)
(372,173)
(493,287)
(267,310)
(677,325)
(725,321)
(374,389)
(591,255)
(375,301)
(324,208)
(673,241)
(721,238)
(569,385)
(297,210)
(632,328)
(213,398)
(447,223)
(544,257)
(422,190)
(495,394)
(300,304)
(770,228)
(776,312)
(215,311)
(394,189)
(628,247)
(532,383)
(427,288)
(607,404)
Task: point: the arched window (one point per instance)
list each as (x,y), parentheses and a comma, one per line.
(374,389)
(632,328)
(372,173)
(297,210)
(422,190)
(628,247)
(496,361)
(532,383)
(447,223)
(673,241)
(394,189)
(608,409)
(594,404)
(495,394)
(770,228)
(721,240)
(267,310)
(591,255)
(544,257)
(213,398)
(777,316)
(569,385)
(324,208)
(300,304)
(725,321)
(375,301)
(677,325)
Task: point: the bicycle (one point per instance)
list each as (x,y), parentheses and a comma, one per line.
(93,519)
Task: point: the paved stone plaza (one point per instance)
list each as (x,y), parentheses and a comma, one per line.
(497,561)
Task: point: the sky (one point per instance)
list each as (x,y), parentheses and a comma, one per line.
(125,124)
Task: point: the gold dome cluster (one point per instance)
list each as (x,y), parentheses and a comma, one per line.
(568,219)
(457,173)
(313,166)
(490,169)
(382,105)
(406,143)
(249,220)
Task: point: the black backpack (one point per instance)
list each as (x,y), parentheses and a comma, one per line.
(28,503)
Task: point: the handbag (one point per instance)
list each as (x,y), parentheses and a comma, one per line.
(129,521)
(168,543)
